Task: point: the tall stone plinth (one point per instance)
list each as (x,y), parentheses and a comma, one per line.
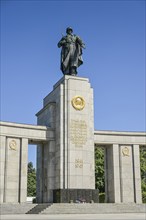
(66,166)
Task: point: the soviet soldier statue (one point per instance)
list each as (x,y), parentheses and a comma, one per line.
(71,53)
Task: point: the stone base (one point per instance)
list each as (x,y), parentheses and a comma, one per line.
(75,195)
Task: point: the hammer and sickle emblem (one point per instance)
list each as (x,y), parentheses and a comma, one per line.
(125,151)
(13,145)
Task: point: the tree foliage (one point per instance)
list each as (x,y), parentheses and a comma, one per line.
(31,180)
(99,169)
(143,172)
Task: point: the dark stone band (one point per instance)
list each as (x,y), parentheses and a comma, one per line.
(75,195)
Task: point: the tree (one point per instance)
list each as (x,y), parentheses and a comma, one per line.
(99,169)
(143,172)
(31,180)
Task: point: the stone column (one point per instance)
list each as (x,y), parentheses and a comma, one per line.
(39,182)
(12,170)
(127,174)
(46,157)
(45,172)
(137,175)
(23,170)
(50,170)
(112,178)
(2,166)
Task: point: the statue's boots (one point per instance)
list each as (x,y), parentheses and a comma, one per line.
(73,71)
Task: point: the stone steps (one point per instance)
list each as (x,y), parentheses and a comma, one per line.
(38,208)
(15,208)
(94,208)
(72,208)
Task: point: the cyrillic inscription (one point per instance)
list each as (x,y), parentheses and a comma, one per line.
(78,132)
(78,163)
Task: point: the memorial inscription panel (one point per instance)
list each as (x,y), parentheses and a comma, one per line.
(78,132)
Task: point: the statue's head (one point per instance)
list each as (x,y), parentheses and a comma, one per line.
(69,29)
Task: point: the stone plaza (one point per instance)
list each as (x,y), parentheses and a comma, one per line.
(66,140)
(126,216)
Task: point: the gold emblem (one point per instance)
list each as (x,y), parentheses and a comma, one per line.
(125,151)
(13,145)
(78,102)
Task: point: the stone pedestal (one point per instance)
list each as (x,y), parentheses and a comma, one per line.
(69,162)
(75,195)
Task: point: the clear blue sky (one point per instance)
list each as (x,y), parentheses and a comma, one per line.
(114,58)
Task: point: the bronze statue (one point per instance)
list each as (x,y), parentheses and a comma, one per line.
(71,53)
